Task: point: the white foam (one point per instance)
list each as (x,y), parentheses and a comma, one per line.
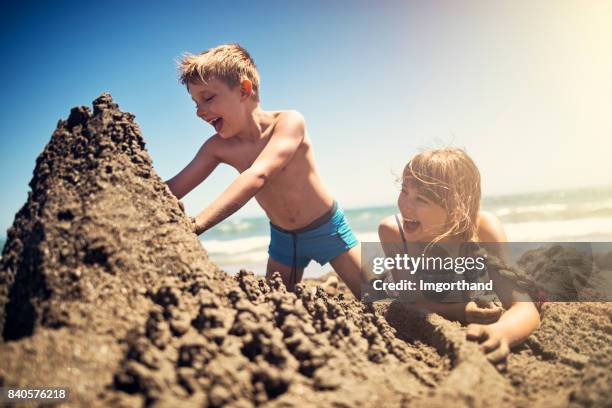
(576,211)
(367,236)
(551,231)
(235,226)
(252,257)
(252,253)
(236,246)
(366,215)
(528,209)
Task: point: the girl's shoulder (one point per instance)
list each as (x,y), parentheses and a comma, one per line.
(388,230)
(490,228)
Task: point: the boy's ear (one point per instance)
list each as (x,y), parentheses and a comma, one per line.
(246,88)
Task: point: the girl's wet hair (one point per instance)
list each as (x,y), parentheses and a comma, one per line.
(449,178)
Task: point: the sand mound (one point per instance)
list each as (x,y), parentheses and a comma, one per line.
(567,273)
(104,289)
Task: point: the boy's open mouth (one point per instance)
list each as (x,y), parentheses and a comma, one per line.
(411,225)
(217,123)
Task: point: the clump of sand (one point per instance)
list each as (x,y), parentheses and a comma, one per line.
(105,290)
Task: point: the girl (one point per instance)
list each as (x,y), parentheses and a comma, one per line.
(439,203)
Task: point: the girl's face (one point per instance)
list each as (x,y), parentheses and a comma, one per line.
(422,219)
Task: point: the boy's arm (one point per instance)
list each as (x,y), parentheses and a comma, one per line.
(204,162)
(284,142)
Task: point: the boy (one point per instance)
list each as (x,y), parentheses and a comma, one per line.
(274,156)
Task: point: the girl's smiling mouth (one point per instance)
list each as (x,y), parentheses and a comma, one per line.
(411,225)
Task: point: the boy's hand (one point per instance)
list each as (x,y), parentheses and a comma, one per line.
(492,342)
(194,225)
(482,312)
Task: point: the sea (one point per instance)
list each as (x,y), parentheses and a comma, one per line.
(579,215)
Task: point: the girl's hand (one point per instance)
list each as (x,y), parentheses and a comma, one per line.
(492,341)
(482,312)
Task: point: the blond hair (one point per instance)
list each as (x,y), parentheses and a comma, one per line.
(229,63)
(450,178)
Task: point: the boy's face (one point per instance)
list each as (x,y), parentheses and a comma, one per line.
(220,105)
(422,219)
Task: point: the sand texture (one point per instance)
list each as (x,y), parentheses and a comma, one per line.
(105,290)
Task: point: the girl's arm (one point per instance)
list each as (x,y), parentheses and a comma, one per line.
(521,318)
(513,327)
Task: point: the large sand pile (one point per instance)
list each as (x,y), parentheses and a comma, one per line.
(104,289)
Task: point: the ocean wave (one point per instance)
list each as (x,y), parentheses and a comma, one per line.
(367,236)
(252,253)
(590,229)
(553,212)
(254,249)
(366,215)
(244,258)
(530,209)
(261,242)
(235,246)
(235,226)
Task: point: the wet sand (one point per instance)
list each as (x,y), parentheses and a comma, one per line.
(104,289)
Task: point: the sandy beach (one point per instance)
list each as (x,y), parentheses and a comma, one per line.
(105,290)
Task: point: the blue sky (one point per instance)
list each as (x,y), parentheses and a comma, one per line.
(524,86)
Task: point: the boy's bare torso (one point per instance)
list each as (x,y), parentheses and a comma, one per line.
(295,196)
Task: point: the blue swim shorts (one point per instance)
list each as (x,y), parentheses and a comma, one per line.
(322,240)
